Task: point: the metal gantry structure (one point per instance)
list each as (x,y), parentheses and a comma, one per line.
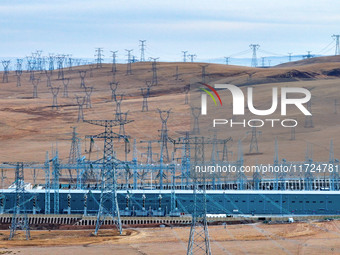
(20,217)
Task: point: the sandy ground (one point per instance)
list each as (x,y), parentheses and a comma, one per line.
(294,238)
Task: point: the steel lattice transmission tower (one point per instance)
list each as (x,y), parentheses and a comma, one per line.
(82,75)
(75,151)
(186,91)
(164,115)
(129,61)
(66,81)
(253,141)
(118,106)
(154,71)
(337,44)
(145,93)
(60,64)
(35,83)
(192,56)
(99,55)
(290,56)
(5,64)
(55,92)
(113,87)
(80,103)
(108,184)
(19,218)
(142,50)
(114,66)
(88,92)
(18,72)
(254,48)
(196,112)
(48,78)
(204,74)
(199,241)
(114,56)
(185,56)
(227,60)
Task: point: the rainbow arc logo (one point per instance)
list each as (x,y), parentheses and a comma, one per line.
(210,94)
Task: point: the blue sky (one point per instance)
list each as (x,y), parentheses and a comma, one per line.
(209,29)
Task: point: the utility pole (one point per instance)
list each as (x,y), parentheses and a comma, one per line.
(184,56)
(254,48)
(337,49)
(128,66)
(142,50)
(99,55)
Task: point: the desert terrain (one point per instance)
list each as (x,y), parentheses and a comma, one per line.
(30,127)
